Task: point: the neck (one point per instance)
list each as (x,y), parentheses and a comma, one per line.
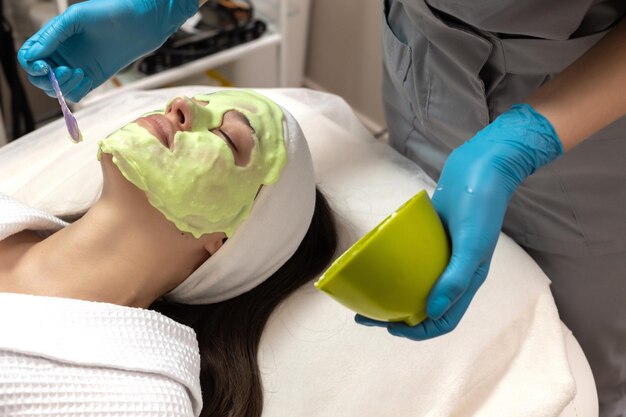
(105,257)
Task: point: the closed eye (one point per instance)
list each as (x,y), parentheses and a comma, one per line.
(239,138)
(228,139)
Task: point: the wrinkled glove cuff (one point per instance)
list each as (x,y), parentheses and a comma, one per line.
(545,142)
(517,143)
(520,141)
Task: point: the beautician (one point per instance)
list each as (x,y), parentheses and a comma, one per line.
(489,97)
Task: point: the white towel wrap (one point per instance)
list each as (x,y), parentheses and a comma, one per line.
(278,221)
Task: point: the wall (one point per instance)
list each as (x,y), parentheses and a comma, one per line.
(343,57)
(344,54)
(43,107)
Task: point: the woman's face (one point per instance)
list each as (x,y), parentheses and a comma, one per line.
(235,129)
(202,160)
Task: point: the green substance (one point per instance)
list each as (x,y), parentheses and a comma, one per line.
(197,185)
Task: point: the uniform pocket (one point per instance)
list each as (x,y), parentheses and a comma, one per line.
(400,60)
(456,106)
(397,54)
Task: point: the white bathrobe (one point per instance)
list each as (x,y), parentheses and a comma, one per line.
(62,357)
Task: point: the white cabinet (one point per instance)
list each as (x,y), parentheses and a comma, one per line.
(276,59)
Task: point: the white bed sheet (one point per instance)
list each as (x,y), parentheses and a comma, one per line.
(507,357)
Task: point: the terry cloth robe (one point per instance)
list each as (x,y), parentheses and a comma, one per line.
(63,357)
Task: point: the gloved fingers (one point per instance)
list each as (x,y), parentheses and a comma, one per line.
(439,203)
(80,90)
(35,67)
(28,55)
(62,74)
(431,328)
(454,282)
(40,81)
(366,321)
(57,30)
(51,93)
(69,84)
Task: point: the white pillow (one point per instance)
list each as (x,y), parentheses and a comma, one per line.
(506,358)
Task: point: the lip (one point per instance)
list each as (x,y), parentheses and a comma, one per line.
(159,126)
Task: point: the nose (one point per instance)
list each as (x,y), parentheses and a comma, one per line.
(179,114)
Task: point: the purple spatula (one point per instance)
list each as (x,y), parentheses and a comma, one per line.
(70,120)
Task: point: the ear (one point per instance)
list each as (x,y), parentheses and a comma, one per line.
(214,242)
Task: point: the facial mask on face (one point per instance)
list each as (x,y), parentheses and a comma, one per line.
(197,185)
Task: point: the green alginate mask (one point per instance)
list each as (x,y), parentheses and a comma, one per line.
(197,185)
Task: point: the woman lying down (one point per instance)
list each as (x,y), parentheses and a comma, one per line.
(153,303)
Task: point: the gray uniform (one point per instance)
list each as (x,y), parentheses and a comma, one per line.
(451,66)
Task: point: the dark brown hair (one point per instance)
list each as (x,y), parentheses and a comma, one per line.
(229,332)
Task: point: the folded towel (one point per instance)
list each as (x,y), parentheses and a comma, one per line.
(62,357)
(16,216)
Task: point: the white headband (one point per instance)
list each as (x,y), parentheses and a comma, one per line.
(278,221)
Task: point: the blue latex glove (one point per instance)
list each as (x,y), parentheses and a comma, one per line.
(476,184)
(93,40)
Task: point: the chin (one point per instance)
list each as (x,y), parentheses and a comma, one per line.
(115,184)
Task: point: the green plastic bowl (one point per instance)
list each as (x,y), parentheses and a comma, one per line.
(388,273)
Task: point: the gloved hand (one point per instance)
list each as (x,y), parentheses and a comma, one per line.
(92,40)
(476,184)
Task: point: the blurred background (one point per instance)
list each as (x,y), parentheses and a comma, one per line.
(326,45)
